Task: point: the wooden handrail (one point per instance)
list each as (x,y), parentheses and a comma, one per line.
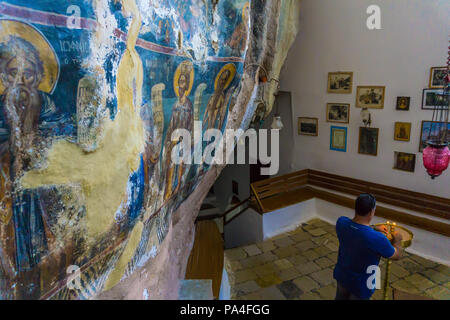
(223,214)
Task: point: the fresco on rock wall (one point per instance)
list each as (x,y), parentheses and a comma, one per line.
(90,93)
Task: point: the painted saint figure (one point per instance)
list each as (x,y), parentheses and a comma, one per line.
(214,116)
(27,116)
(238,40)
(182,118)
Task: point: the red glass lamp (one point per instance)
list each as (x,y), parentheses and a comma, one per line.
(436,156)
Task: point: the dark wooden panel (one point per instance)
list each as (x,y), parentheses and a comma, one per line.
(206,258)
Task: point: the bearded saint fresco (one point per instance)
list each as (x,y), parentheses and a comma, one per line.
(214,116)
(182,118)
(238,40)
(28,115)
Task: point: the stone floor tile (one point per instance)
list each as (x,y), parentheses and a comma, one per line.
(267,257)
(284,242)
(306,284)
(266,246)
(251,262)
(420,281)
(233,266)
(324,262)
(283,264)
(245,288)
(310,296)
(286,252)
(289,290)
(268,280)
(410,265)
(288,274)
(264,269)
(333,247)
(423,262)
(327,292)
(251,296)
(300,236)
(252,250)
(435,276)
(324,277)
(307,268)
(243,276)
(307,226)
(399,271)
(405,286)
(333,257)
(320,241)
(438,292)
(311,254)
(271,293)
(305,245)
(298,259)
(317,232)
(235,254)
(443,269)
(322,251)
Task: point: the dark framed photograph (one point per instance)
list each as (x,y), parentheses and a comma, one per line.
(338,112)
(431,130)
(338,138)
(432,98)
(404,161)
(437,77)
(402,131)
(340,82)
(370,97)
(368,141)
(403,103)
(308,126)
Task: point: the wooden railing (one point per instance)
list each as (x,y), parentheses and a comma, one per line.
(272,187)
(286,190)
(228,215)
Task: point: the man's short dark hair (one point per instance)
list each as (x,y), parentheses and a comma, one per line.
(364,204)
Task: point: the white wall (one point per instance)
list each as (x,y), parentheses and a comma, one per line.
(333,37)
(288,218)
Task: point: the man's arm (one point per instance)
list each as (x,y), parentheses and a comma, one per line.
(397,243)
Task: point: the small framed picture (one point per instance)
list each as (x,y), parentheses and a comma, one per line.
(432,98)
(430,130)
(340,82)
(437,77)
(404,161)
(402,131)
(338,138)
(368,141)
(308,126)
(370,97)
(403,103)
(338,112)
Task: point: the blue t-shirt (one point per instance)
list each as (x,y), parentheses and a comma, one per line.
(359,247)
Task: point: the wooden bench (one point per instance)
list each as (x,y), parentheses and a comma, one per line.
(282,191)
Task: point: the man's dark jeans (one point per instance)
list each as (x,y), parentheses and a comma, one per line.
(343,294)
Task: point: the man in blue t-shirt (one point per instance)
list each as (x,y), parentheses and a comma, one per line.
(360,249)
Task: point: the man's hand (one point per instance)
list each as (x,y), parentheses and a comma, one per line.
(382,228)
(397,243)
(397,237)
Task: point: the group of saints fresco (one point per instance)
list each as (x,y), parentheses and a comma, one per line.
(46,95)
